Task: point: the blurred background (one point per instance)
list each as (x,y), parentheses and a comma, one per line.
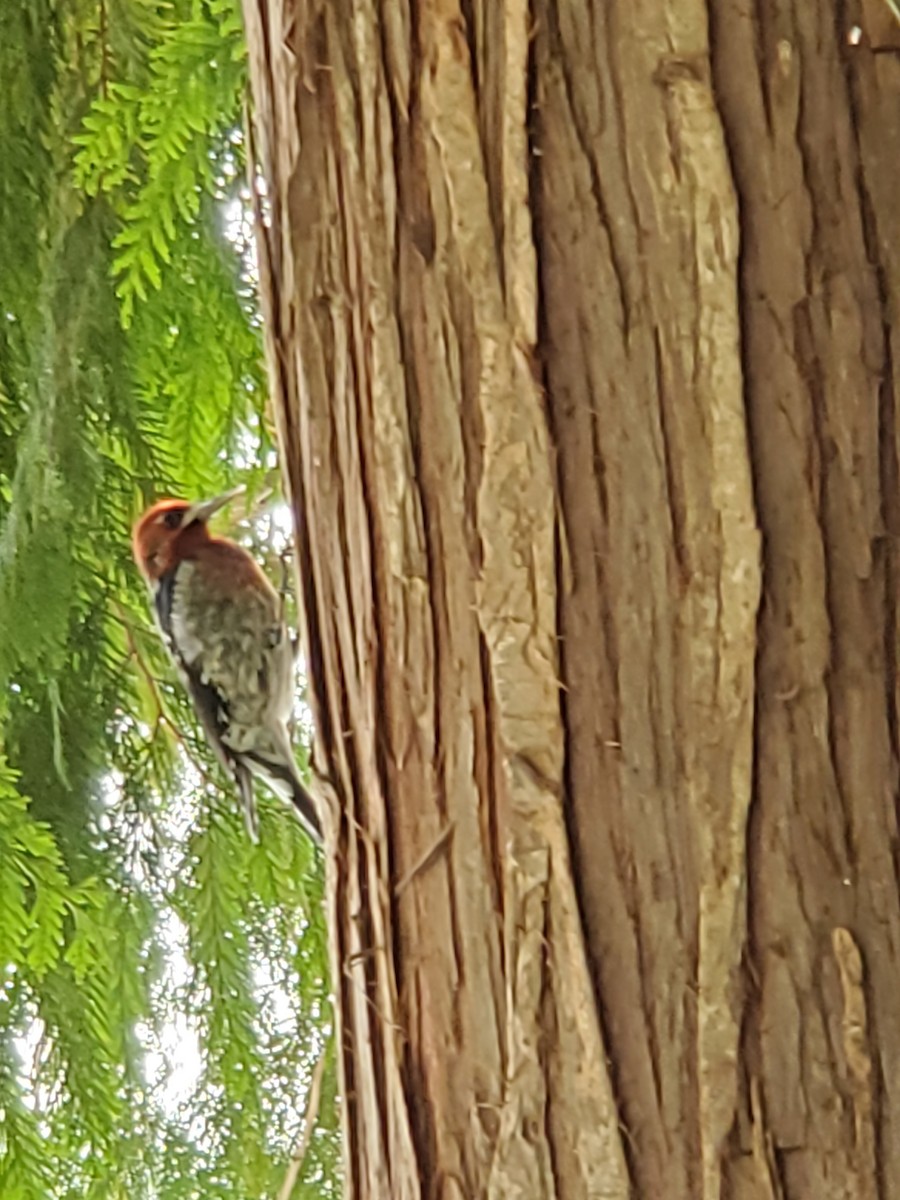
(164,987)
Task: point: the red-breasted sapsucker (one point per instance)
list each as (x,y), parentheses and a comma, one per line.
(220,619)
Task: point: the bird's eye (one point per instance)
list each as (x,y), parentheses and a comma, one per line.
(172,519)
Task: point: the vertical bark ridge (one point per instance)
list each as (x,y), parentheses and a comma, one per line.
(640,246)
(579,322)
(818,276)
(401,330)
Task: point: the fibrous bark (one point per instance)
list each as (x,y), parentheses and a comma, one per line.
(578,330)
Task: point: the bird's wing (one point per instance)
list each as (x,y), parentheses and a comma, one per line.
(209,703)
(241,683)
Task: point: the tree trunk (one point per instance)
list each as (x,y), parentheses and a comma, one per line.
(578,322)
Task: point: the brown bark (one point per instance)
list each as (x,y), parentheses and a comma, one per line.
(578,320)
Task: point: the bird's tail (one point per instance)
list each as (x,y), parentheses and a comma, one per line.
(305,808)
(279,771)
(286,783)
(244,781)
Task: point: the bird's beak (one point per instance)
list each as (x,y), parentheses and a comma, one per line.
(202,510)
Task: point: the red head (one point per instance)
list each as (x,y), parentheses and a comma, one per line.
(170,530)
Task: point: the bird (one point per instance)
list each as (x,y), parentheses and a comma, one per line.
(221,621)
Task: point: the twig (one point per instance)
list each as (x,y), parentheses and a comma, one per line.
(424,860)
(312,1111)
(134,653)
(104,49)
(284,587)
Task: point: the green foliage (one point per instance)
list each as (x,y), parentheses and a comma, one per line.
(149,147)
(163,984)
